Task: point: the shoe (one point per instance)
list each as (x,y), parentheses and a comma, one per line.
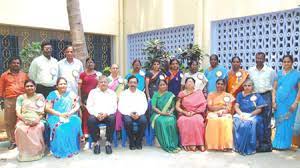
(132,147)
(139,147)
(97,149)
(108,149)
(12,146)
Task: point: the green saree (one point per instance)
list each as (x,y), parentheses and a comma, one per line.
(165,126)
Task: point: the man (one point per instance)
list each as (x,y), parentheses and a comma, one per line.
(70,68)
(263,77)
(102,105)
(133,105)
(43,70)
(11,86)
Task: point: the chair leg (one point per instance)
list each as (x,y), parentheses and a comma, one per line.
(115,139)
(124,137)
(90,142)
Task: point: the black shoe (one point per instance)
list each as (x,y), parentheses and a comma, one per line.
(108,149)
(12,146)
(132,147)
(97,149)
(139,147)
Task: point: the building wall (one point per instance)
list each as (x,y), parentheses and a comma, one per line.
(158,14)
(98,16)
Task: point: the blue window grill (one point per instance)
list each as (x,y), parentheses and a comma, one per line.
(174,38)
(276,34)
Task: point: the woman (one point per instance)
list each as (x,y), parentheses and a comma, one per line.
(191,106)
(218,134)
(214,72)
(174,76)
(87,82)
(153,78)
(247,122)
(236,77)
(286,95)
(65,125)
(138,73)
(116,83)
(199,77)
(163,119)
(29,129)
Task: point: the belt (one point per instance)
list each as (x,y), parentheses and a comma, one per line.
(266,92)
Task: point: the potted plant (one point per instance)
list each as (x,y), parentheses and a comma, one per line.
(28,53)
(155,49)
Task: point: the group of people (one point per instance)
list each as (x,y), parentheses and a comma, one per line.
(58,104)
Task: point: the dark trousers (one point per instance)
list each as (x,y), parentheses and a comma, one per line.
(44,90)
(267,115)
(142,122)
(94,129)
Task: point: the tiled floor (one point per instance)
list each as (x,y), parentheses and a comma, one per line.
(154,157)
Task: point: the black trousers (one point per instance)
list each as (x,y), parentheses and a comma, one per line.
(267,115)
(142,123)
(94,129)
(44,90)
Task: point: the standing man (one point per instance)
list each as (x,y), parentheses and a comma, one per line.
(263,77)
(102,105)
(70,68)
(11,86)
(133,105)
(43,70)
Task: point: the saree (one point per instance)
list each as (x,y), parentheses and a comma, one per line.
(174,81)
(248,134)
(29,139)
(235,81)
(213,75)
(88,82)
(118,86)
(65,133)
(297,122)
(218,134)
(141,79)
(165,126)
(154,80)
(287,89)
(191,129)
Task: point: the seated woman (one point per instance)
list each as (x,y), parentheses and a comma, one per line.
(163,120)
(218,134)
(29,129)
(191,106)
(247,123)
(64,123)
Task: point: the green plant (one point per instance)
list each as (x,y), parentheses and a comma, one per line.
(106,71)
(28,53)
(192,52)
(155,49)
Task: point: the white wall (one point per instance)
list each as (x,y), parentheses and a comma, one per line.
(98,16)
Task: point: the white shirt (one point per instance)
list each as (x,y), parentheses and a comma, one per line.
(44,71)
(199,77)
(101,102)
(263,79)
(71,72)
(132,102)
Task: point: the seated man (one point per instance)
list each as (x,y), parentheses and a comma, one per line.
(102,105)
(133,105)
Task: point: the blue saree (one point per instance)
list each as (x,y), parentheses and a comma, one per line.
(212,75)
(64,134)
(246,133)
(287,89)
